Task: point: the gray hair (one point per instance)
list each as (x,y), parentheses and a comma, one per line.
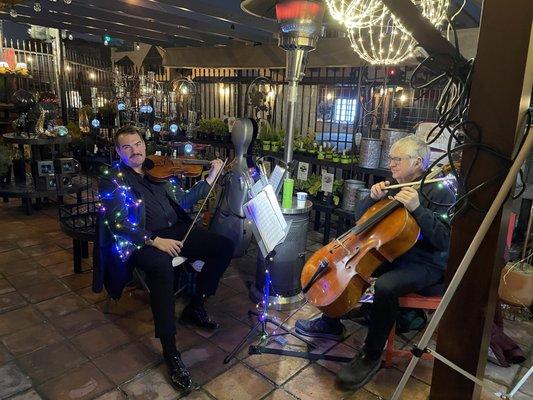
(415,147)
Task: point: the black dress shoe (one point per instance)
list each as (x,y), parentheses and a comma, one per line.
(358,372)
(197,316)
(179,375)
(321,327)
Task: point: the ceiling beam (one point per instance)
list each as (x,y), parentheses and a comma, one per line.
(83,10)
(162,13)
(225,11)
(51,23)
(116,29)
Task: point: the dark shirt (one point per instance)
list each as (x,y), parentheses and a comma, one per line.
(159,211)
(434,240)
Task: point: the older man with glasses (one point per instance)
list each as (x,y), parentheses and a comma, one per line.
(421,267)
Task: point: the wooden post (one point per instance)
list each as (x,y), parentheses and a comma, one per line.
(500,96)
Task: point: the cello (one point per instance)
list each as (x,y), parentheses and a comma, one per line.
(336,276)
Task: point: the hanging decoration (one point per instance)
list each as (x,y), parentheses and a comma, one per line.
(386,41)
(356,13)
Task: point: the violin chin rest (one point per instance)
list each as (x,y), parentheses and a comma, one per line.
(148,164)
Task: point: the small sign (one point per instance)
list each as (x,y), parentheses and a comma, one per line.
(327,182)
(303,171)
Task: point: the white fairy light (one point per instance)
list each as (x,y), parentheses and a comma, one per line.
(386,41)
(356,13)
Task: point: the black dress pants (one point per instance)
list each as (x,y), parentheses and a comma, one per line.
(394,280)
(215,250)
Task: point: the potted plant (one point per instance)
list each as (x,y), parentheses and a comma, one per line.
(320,153)
(338,185)
(516,283)
(328,151)
(335,157)
(204,128)
(219,129)
(6,162)
(265,135)
(274,141)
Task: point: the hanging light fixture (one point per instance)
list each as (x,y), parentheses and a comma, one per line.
(356,13)
(386,41)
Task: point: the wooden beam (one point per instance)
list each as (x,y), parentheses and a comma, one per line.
(500,96)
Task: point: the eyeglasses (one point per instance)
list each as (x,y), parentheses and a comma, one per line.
(397,160)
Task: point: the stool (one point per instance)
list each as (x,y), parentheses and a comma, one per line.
(409,301)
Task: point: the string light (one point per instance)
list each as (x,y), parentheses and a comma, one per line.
(356,13)
(383,39)
(125,217)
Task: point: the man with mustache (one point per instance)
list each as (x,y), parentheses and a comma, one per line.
(143,226)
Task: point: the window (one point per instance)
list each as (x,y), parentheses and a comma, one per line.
(345,110)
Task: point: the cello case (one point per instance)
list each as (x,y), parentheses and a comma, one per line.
(229,219)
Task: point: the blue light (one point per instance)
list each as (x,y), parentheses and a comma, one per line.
(121,106)
(174,128)
(147,109)
(95,123)
(188,148)
(157,128)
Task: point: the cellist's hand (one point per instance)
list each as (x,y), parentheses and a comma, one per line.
(216,165)
(409,198)
(378,191)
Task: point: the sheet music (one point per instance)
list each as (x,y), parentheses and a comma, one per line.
(266,214)
(276,177)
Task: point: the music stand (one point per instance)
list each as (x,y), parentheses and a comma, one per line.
(270,229)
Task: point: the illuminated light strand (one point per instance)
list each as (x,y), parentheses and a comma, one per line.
(124,217)
(386,41)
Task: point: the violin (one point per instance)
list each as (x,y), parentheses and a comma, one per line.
(336,276)
(160,168)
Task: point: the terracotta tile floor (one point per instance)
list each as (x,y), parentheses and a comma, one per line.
(57,343)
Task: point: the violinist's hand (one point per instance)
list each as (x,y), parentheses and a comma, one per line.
(409,198)
(378,191)
(170,246)
(216,165)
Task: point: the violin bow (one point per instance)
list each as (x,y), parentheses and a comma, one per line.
(204,202)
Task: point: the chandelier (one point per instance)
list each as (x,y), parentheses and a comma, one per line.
(377,35)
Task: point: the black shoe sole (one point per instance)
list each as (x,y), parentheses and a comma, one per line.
(329,336)
(359,385)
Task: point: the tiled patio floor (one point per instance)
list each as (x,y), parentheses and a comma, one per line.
(57,343)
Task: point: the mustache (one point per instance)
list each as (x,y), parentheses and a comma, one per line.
(134,155)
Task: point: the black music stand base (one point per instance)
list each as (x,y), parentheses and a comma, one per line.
(260,328)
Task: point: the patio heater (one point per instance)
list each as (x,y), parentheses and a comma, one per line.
(300,23)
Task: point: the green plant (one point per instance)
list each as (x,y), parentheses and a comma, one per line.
(265,131)
(205,126)
(337,190)
(219,127)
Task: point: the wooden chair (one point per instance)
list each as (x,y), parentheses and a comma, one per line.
(412,300)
